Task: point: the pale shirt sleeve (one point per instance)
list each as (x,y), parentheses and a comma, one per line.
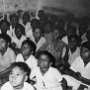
(65,40)
(58,75)
(35,63)
(72,82)
(32,62)
(33,74)
(6,86)
(74,65)
(40,43)
(12,56)
(27,86)
(19,58)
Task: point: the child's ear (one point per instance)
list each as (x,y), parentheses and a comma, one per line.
(50,64)
(26,78)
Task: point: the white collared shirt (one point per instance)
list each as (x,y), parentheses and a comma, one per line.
(6,60)
(49,81)
(31,61)
(40,43)
(72,56)
(78,66)
(17,41)
(8,86)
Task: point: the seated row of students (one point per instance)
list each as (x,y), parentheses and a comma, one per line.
(77,76)
(18,72)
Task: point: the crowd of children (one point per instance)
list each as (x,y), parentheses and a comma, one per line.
(44,53)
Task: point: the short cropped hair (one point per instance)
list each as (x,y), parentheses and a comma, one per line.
(6,37)
(13,15)
(77,38)
(23,66)
(21,27)
(50,56)
(5,21)
(31,44)
(86,45)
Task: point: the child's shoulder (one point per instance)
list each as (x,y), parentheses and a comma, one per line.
(6,86)
(52,69)
(28,86)
(9,49)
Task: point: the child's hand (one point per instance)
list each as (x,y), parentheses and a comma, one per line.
(64,84)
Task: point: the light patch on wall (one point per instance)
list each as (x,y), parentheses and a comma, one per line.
(13,5)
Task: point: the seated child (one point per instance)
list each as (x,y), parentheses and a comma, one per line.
(39,40)
(4,27)
(74,42)
(7,57)
(18,38)
(27,54)
(26,23)
(18,77)
(14,20)
(46,76)
(81,65)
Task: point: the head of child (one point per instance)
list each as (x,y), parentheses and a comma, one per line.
(71,30)
(41,13)
(28,48)
(46,60)
(35,23)
(85,52)
(74,42)
(37,33)
(26,17)
(4,26)
(14,20)
(4,42)
(56,33)
(18,75)
(48,27)
(19,31)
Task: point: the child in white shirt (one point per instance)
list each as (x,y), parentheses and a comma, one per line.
(81,65)
(7,57)
(27,54)
(39,40)
(17,78)
(18,38)
(46,77)
(14,20)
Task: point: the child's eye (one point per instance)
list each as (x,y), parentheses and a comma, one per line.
(11,73)
(18,74)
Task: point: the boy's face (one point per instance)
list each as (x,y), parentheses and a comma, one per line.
(70,32)
(72,43)
(44,63)
(37,33)
(14,21)
(3,44)
(56,34)
(17,77)
(25,19)
(85,54)
(25,49)
(18,32)
(4,27)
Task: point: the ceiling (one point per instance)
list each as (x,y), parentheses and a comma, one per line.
(77,7)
